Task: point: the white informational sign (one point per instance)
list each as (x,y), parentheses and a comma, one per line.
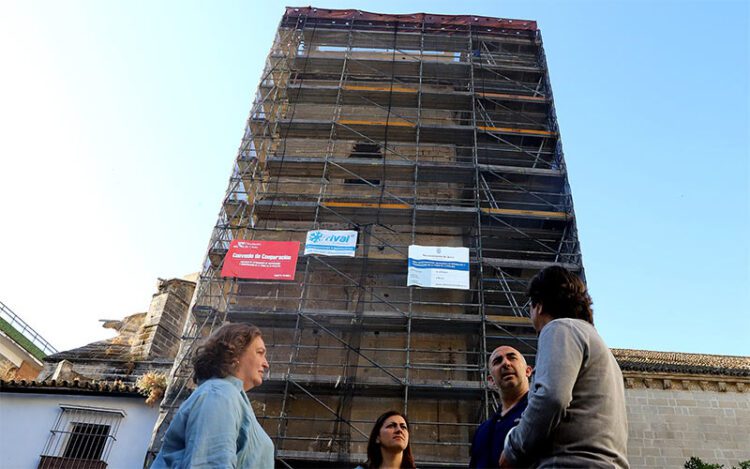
(331,243)
(438,267)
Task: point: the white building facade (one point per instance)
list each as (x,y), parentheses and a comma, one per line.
(69,427)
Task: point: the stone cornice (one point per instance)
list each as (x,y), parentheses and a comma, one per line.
(685,381)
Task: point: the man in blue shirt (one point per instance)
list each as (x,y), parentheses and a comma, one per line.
(509,375)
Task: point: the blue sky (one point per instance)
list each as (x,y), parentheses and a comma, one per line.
(120,121)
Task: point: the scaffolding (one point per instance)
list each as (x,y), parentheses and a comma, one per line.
(410,129)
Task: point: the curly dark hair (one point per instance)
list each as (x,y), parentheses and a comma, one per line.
(561,293)
(218,355)
(374,456)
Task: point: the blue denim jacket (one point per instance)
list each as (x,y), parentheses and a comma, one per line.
(216,427)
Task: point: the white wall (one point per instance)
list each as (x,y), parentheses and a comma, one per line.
(26,420)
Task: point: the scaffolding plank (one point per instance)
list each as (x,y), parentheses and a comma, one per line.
(382,64)
(516,131)
(527,264)
(544,215)
(370,168)
(441,97)
(400,170)
(402,130)
(384,321)
(391,213)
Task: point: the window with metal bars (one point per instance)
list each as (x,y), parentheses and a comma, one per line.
(82,437)
(86,441)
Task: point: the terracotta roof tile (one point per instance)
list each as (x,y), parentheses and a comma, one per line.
(65,386)
(674,362)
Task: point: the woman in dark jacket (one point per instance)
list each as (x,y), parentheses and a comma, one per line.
(388,446)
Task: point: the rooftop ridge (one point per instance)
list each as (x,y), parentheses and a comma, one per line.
(680,362)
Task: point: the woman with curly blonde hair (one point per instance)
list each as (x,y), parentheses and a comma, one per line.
(216,426)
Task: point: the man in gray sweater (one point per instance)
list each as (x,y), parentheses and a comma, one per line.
(576,411)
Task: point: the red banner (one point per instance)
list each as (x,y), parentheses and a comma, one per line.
(262,260)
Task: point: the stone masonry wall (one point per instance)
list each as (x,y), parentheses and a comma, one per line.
(10,371)
(162,328)
(668,426)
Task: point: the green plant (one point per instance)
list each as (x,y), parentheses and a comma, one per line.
(697,463)
(152,385)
